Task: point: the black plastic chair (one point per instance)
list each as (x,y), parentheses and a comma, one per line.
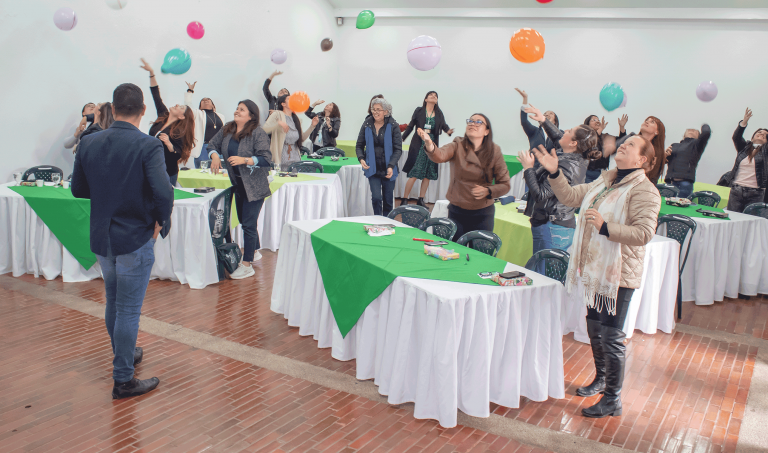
(219,220)
(757,209)
(705,198)
(482,241)
(551,262)
(43,172)
(441,226)
(306,166)
(667,190)
(678,227)
(329,151)
(304,151)
(412,215)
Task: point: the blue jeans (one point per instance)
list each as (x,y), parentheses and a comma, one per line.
(203,156)
(382,189)
(592,175)
(550,236)
(685,187)
(248,215)
(125,280)
(173,179)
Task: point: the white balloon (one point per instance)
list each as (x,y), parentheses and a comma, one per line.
(279,56)
(706,91)
(424,52)
(65,18)
(117,4)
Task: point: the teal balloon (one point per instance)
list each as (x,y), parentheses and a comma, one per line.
(611,96)
(365,19)
(177,61)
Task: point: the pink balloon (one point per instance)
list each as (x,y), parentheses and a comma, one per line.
(195,30)
(65,19)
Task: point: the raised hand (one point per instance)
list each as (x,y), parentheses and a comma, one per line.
(145,66)
(275,74)
(450,132)
(548,160)
(191,86)
(535,114)
(316,103)
(747,116)
(623,122)
(603,125)
(668,151)
(523,94)
(526,158)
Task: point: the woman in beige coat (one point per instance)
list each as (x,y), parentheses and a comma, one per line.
(619,212)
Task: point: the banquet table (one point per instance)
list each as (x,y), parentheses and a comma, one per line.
(354,184)
(318,198)
(442,345)
(186,255)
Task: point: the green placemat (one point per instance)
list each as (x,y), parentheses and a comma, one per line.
(348,146)
(330,166)
(357,268)
(724,192)
(690,211)
(514,229)
(513,164)
(183,194)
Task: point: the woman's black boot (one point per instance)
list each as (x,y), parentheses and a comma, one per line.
(614,351)
(598,384)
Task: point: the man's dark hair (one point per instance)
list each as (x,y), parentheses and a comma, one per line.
(128,100)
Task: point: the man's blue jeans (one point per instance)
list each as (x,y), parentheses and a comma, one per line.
(125,279)
(685,187)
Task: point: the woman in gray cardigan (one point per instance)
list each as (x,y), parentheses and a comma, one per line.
(244,146)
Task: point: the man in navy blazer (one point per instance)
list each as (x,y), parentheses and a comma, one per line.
(122,171)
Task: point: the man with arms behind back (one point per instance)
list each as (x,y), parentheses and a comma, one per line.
(122,171)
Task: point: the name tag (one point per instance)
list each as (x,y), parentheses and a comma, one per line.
(427,126)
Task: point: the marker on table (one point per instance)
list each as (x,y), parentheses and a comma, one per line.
(422,240)
(467,256)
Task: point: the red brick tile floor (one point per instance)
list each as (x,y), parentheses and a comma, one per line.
(682,393)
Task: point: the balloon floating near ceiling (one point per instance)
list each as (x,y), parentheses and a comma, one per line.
(365,19)
(706,91)
(326,44)
(543,1)
(65,18)
(527,45)
(298,102)
(117,4)
(177,61)
(279,56)
(611,96)
(424,52)
(195,30)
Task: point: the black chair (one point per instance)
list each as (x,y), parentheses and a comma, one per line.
(219,218)
(69,178)
(304,151)
(757,209)
(678,227)
(524,197)
(667,190)
(551,262)
(705,198)
(412,215)
(482,241)
(43,172)
(441,226)
(306,166)
(329,151)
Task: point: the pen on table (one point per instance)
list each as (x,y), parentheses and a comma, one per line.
(422,240)
(467,256)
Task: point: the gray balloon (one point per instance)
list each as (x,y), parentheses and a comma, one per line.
(326,45)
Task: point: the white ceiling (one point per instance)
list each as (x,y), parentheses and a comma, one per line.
(370,4)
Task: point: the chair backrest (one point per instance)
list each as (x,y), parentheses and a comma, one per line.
(411,215)
(43,172)
(705,198)
(304,151)
(757,209)
(441,226)
(306,166)
(482,241)
(667,190)
(330,151)
(219,215)
(678,227)
(551,262)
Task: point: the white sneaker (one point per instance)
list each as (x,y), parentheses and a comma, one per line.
(256,256)
(242,272)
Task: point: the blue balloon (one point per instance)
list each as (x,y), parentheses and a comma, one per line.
(177,61)
(611,96)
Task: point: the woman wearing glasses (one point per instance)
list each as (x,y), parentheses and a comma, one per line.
(208,122)
(379,147)
(479,174)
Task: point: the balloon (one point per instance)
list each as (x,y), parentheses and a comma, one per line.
(424,52)
(527,45)
(298,102)
(65,18)
(279,56)
(326,45)
(177,61)
(195,30)
(543,1)
(611,96)
(117,4)
(365,19)
(624,101)
(706,91)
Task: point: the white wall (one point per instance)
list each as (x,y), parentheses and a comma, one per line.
(658,63)
(48,74)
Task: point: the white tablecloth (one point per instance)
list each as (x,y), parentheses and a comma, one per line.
(186,255)
(305,200)
(357,191)
(442,345)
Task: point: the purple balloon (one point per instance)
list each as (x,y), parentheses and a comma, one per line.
(424,53)
(65,19)
(279,56)
(706,91)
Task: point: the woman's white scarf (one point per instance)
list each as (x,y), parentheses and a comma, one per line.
(601,274)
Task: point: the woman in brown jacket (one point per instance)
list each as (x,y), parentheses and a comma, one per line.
(619,216)
(478,174)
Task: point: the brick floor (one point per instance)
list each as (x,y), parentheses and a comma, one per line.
(682,393)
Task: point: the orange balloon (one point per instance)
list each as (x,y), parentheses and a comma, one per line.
(298,102)
(527,45)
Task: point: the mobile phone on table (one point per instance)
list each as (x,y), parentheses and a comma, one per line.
(512,274)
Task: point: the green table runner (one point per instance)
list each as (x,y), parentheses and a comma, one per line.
(690,211)
(513,164)
(357,268)
(348,146)
(69,218)
(514,229)
(330,166)
(724,192)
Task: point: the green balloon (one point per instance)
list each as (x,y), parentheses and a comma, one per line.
(365,19)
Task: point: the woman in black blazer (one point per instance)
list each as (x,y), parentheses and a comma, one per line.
(418,166)
(325,125)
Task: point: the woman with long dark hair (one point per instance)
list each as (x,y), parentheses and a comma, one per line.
(325,125)
(652,130)
(175,127)
(430,118)
(244,147)
(479,174)
(102,119)
(285,127)
(208,122)
(749,177)
(606,145)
